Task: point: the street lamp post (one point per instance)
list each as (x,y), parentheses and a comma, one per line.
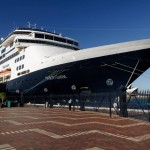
(109,83)
(21,97)
(73,88)
(46,103)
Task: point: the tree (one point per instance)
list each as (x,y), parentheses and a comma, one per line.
(2,96)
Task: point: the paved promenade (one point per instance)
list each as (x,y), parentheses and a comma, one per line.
(37,128)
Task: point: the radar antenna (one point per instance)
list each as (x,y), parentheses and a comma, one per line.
(34,26)
(31,25)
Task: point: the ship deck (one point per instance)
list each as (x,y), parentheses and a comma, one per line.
(58,128)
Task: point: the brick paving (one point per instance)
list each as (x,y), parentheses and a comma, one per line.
(37,128)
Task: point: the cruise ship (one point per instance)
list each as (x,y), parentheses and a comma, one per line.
(34,61)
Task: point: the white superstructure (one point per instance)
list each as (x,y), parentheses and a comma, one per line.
(25,50)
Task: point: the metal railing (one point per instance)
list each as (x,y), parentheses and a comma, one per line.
(134,105)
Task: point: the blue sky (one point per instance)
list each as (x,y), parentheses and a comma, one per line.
(91,22)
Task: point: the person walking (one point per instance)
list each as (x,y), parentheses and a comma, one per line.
(70,103)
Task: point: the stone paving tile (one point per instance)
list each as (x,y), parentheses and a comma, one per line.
(6,147)
(95,148)
(32,128)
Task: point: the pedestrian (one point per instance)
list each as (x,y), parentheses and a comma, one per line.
(46,104)
(70,103)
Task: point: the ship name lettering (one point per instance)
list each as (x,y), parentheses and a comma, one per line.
(56,77)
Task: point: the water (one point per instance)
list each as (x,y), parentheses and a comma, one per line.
(139,103)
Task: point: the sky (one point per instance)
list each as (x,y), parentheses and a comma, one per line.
(91,22)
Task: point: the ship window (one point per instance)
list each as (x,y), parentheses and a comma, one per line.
(19,67)
(49,43)
(39,36)
(22,57)
(22,66)
(59,39)
(69,42)
(21,32)
(76,44)
(13,55)
(3,51)
(49,37)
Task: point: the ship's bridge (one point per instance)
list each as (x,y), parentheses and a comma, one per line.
(37,36)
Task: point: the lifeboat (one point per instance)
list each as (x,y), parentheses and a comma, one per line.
(5,75)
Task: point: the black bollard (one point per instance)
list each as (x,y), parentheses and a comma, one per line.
(123,101)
